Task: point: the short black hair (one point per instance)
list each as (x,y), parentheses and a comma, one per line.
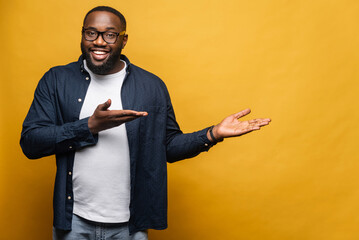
(111,10)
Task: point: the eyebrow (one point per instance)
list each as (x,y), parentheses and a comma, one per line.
(108,28)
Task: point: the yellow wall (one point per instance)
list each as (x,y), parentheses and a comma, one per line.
(294,61)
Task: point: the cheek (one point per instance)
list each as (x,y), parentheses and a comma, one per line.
(85,44)
(117,48)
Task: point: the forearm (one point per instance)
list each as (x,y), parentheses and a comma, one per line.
(40,141)
(182,146)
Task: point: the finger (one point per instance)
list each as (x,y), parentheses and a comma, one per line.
(265,123)
(265,120)
(259,121)
(104,106)
(142,114)
(244,131)
(252,128)
(253,121)
(123,113)
(124,119)
(255,124)
(133,113)
(128,118)
(260,124)
(242,113)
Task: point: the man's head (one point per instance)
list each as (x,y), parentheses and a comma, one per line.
(103,38)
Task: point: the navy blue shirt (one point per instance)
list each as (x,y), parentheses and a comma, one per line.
(52,126)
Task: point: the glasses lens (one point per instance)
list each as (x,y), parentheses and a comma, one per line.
(90,35)
(109,37)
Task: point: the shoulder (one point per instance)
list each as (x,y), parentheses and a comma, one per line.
(63,71)
(60,75)
(66,69)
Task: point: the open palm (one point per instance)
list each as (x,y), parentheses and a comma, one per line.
(231,126)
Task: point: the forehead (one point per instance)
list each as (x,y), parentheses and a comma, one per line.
(102,20)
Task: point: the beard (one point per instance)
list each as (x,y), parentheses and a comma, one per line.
(105,67)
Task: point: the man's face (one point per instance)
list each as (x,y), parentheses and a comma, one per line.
(101,57)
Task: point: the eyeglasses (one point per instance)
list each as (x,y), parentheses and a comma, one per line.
(107,36)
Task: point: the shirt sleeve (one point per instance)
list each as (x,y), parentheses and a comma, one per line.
(43,134)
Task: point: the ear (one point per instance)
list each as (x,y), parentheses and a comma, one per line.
(124,41)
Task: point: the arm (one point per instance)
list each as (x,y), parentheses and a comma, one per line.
(181,146)
(45,133)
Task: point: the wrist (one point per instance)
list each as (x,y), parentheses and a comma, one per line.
(213,135)
(90,126)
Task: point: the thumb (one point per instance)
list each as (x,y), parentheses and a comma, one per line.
(104,106)
(242,113)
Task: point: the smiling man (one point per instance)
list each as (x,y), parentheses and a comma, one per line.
(103,56)
(112,128)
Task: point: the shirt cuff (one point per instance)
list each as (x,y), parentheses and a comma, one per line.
(206,143)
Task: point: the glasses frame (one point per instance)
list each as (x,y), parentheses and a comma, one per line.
(101,33)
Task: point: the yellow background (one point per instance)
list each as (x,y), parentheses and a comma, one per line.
(294,61)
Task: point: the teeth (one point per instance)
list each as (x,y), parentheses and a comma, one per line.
(99,52)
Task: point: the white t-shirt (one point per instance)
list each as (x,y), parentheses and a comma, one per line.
(101,174)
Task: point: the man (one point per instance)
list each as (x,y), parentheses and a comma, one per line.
(111,179)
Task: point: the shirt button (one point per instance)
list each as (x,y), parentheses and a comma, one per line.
(79,100)
(87,78)
(70,173)
(69,197)
(206,144)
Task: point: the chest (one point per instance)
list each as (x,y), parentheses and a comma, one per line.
(75,93)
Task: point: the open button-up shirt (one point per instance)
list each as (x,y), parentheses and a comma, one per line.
(52,126)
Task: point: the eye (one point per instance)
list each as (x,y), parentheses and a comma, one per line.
(90,33)
(110,35)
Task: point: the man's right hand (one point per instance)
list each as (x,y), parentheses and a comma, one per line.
(103,118)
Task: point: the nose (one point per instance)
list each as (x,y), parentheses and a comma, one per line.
(99,41)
